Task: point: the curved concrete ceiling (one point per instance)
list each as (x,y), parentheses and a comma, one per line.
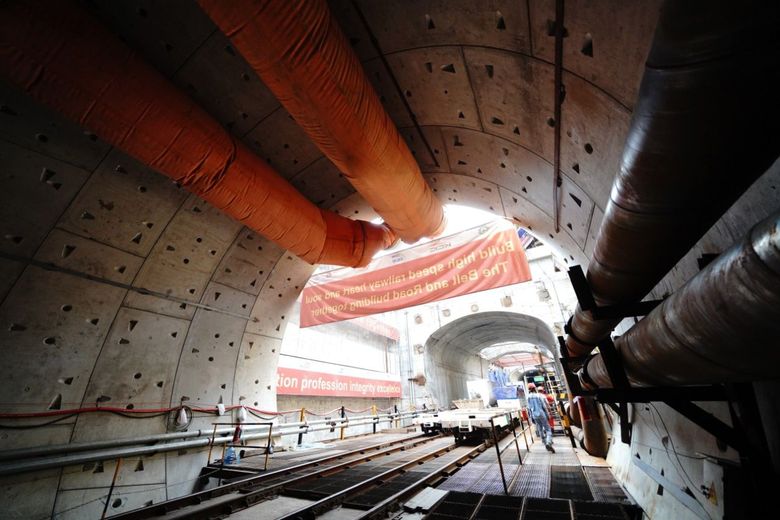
(473,333)
(116,283)
(452,353)
(478,78)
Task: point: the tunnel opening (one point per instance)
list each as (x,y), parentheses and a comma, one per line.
(171,178)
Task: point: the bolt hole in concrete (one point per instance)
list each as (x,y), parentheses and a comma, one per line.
(587,45)
(50,340)
(500,24)
(588,148)
(43,138)
(137,375)
(429,22)
(67,308)
(116,503)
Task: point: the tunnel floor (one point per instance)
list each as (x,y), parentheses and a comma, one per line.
(565,484)
(569,473)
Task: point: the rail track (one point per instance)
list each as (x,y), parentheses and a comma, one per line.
(298,479)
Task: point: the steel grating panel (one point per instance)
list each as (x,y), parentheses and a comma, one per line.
(568,482)
(465,477)
(532,481)
(491,483)
(537,458)
(546,509)
(564,458)
(604,486)
(589,510)
(496,512)
(456,505)
(503,501)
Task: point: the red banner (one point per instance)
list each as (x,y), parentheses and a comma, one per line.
(475,260)
(291,381)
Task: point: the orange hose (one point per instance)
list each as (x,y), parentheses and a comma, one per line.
(62,57)
(299,51)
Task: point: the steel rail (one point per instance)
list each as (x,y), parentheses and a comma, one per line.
(324,504)
(389,504)
(250,484)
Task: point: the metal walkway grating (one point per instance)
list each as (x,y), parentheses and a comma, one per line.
(466,476)
(604,486)
(568,482)
(533,481)
(490,482)
(461,506)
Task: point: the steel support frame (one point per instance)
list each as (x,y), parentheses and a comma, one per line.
(679,398)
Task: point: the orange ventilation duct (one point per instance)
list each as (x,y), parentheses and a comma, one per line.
(299,51)
(65,59)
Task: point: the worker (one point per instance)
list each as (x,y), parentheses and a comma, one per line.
(540,414)
(550,404)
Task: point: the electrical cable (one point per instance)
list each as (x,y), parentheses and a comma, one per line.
(255,414)
(676,456)
(31,426)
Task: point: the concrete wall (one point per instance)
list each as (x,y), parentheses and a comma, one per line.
(106,227)
(663,438)
(148,297)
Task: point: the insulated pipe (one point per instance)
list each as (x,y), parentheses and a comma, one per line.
(300,52)
(75,447)
(62,57)
(704,128)
(722,326)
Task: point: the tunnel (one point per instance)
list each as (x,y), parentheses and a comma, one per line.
(176,177)
(452,353)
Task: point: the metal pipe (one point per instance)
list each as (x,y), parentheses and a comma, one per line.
(722,326)
(703,129)
(97,445)
(23,460)
(160,437)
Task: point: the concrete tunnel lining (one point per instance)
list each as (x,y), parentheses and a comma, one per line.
(452,352)
(118,219)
